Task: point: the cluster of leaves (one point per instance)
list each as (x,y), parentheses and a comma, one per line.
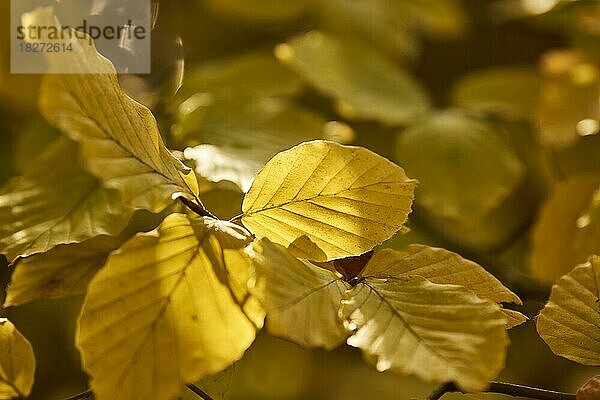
(186,299)
(169,307)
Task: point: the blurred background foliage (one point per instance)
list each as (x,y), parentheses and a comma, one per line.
(494,106)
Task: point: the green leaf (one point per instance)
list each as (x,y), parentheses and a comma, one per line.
(64,271)
(56,202)
(440,333)
(567,229)
(119,138)
(465,167)
(17,363)
(325,201)
(443,267)
(257,74)
(301,299)
(166,290)
(364,84)
(510,91)
(376,22)
(570,322)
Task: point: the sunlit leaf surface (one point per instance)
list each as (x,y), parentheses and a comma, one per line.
(17,363)
(437,332)
(119,138)
(325,201)
(56,202)
(301,299)
(64,271)
(444,267)
(173,293)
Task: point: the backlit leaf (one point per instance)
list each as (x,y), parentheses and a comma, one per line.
(438,332)
(17,363)
(56,202)
(325,201)
(570,322)
(567,230)
(119,137)
(301,299)
(64,271)
(165,290)
(364,84)
(443,267)
(465,168)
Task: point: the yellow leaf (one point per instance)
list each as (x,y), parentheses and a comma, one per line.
(562,235)
(443,267)
(440,333)
(64,271)
(56,202)
(158,315)
(17,362)
(325,201)
(119,137)
(301,299)
(570,322)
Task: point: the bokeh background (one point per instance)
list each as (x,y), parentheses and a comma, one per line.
(492,105)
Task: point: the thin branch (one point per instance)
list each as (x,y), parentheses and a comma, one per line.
(509,389)
(82,396)
(195,389)
(199,392)
(198,208)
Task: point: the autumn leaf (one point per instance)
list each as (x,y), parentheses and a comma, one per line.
(56,202)
(301,299)
(325,201)
(438,332)
(17,363)
(566,230)
(444,267)
(570,321)
(63,271)
(119,138)
(165,290)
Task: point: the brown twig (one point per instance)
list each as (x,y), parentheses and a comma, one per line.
(509,389)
